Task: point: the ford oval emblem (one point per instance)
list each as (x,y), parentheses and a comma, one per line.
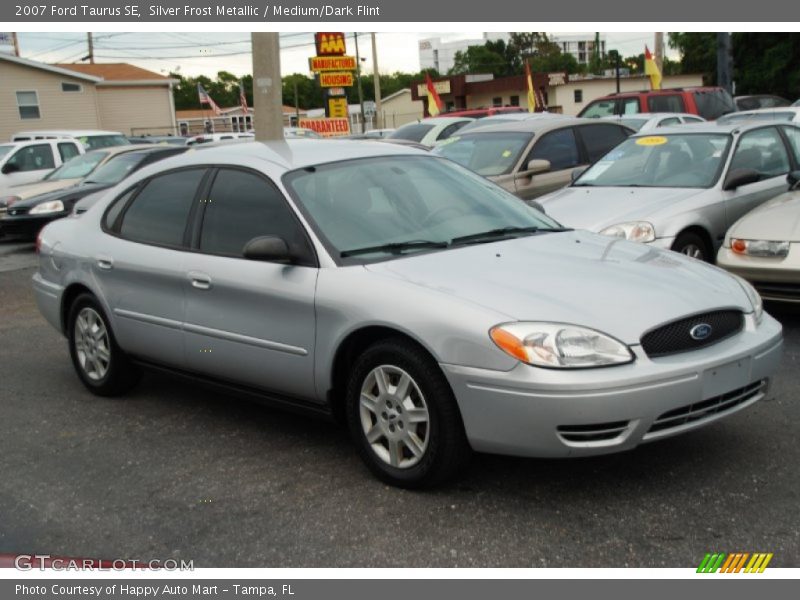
(700,331)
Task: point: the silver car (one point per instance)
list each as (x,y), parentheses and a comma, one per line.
(430,309)
(680,187)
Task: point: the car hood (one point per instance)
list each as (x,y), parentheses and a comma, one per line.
(618,287)
(30,190)
(69,194)
(778,220)
(596,208)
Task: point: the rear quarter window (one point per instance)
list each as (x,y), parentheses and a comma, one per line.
(672,103)
(712,104)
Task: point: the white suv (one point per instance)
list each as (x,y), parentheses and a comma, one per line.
(92,139)
(24,162)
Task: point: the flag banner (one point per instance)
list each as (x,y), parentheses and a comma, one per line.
(651,70)
(435,104)
(206,99)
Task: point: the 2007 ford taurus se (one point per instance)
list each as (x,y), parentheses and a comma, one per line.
(435,312)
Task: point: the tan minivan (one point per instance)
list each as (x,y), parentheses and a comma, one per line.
(533,157)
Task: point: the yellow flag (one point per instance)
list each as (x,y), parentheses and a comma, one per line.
(651,70)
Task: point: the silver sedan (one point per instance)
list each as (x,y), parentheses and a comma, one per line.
(431,310)
(680,187)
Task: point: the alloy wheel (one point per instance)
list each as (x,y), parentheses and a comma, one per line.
(92,344)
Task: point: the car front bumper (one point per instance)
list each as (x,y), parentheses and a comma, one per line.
(28,225)
(532,411)
(776,279)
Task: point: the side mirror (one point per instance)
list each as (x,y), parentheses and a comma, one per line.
(577,172)
(268,248)
(9,168)
(793,178)
(739,177)
(537,165)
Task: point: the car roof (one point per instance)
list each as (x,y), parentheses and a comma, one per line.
(440,120)
(765,111)
(535,125)
(651,115)
(713,127)
(292,153)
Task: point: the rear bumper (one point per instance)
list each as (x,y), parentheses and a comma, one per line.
(530,411)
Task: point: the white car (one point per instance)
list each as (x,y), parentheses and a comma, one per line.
(25,162)
(784,113)
(92,139)
(431,130)
(650,121)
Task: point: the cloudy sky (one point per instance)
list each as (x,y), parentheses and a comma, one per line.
(208,53)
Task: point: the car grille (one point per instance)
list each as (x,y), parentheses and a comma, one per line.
(700,410)
(778,291)
(675,337)
(596,432)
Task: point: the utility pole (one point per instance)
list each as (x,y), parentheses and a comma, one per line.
(659,50)
(360,91)
(296,105)
(377,81)
(15,41)
(724,61)
(267,92)
(91,47)
(614,55)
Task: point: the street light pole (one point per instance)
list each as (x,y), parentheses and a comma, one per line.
(360,91)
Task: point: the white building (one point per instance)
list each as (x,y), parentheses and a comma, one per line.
(580,45)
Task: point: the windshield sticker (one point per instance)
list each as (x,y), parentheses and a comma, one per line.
(506,153)
(651,140)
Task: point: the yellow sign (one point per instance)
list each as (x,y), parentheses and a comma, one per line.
(336,79)
(651,140)
(332,63)
(337,107)
(327,127)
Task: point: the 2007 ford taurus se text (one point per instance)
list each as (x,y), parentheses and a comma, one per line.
(435,312)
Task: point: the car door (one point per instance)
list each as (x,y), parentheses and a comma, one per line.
(247,321)
(762,150)
(27,164)
(140,264)
(560,148)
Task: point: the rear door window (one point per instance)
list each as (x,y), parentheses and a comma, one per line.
(712,104)
(67,150)
(160,212)
(665,103)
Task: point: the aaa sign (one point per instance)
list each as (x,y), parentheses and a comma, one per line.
(330,44)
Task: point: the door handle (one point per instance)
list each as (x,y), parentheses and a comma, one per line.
(201,281)
(104,262)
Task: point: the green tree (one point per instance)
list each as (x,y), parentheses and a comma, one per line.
(480,59)
(698,53)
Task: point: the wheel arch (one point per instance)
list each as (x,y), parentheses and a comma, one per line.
(704,234)
(71,292)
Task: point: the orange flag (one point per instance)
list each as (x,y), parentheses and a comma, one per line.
(435,104)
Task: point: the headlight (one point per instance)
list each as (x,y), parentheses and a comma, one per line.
(763,248)
(637,231)
(559,345)
(47,207)
(754,297)
(9,200)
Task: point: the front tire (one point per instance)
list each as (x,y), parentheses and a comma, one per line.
(100,363)
(403,416)
(692,245)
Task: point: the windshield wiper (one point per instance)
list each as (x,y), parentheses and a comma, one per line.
(494,234)
(394,247)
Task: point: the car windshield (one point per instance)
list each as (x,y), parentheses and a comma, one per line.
(487,154)
(757,116)
(669,160)
(413,132)
(5,150)
(78,167)
(411,203)
(92,142)
(116,169)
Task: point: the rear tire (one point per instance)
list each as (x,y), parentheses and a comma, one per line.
(100,363)
(403,416)
(694,246)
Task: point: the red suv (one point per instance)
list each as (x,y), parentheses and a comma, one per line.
(708,102)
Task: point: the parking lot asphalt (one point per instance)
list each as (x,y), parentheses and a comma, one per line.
(174,470)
